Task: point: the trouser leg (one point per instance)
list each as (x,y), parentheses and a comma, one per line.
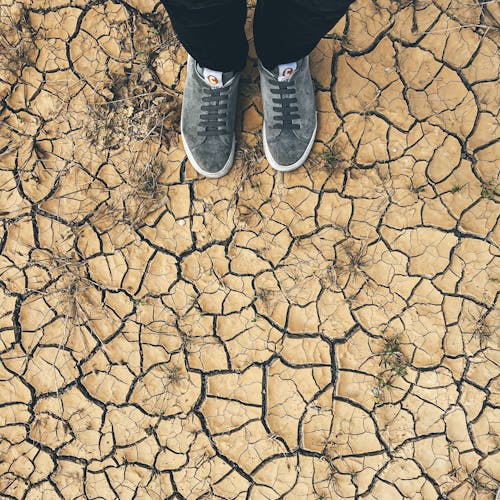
(287,30)
(212,31)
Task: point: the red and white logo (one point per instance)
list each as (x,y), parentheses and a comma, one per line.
(213,80)
(286,71)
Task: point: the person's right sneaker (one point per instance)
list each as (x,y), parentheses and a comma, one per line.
(208,117)
(289,114)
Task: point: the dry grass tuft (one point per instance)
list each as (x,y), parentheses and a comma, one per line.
(16,39)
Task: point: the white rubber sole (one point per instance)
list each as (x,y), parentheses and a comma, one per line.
(299,162)
(212,175)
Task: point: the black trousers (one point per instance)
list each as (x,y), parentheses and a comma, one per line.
(212,31)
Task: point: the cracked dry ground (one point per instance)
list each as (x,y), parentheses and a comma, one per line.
(327,333)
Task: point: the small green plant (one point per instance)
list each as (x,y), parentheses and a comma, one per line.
(329,156)
(383,382)
(456,188)
(160,25)
(329,159)
(489,190)
(392,358)
(394,363)
(139,301)
(417,189)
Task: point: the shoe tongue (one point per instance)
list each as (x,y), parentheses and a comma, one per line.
(216,79)
(285,71)
(213,78)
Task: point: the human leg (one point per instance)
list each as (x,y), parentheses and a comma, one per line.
(288,30)
(212,31)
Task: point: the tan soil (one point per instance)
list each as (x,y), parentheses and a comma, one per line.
(327,333)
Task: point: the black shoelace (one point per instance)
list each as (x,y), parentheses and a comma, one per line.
(288,113)
(214,119)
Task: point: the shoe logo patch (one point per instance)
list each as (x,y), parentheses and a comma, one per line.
(286,71)
(213,78)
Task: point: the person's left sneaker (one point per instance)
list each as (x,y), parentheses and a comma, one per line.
(290,120)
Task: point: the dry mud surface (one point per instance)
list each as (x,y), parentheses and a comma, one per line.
(323,334)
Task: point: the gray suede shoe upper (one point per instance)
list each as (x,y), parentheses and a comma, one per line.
(207,122)
(289,116)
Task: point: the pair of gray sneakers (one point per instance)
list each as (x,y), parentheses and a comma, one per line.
(209,112)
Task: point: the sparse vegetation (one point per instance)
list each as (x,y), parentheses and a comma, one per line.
(392,358)
(149,430)
(490,190)
(249,215)
(351,258)
(136,111)
(480,328)
(246,166)
(332,469)
(394,364)
(483,332)
(481,481)
(17,37)
(417,189)
(331,159)
(329,456)
(174,374)
(265,295)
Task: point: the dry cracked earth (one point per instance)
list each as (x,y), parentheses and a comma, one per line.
(329,333)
